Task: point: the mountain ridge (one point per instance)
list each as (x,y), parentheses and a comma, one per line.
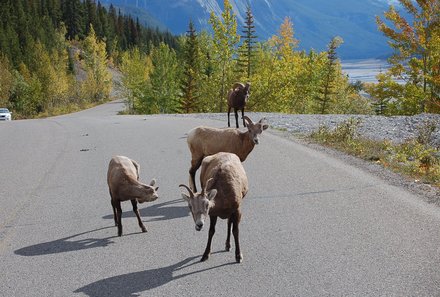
(315,22)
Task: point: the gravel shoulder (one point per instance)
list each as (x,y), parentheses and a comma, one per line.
(396,129)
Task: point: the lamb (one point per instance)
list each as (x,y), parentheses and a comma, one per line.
(237,99)
(123,183)
(206,141)
(224,185)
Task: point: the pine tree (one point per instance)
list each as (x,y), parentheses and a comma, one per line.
(91,18)
(190,93)
(326,92)
(246,51)
(72,16)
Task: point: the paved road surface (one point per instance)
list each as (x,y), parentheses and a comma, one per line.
(312,225)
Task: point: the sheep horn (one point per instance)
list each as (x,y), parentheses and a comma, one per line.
(247,119)
(237,85)
(189,190)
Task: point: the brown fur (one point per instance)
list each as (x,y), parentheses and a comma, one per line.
(206,141)
(123,183)
(225,184)
(237,99)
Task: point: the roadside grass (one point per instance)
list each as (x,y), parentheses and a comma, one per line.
(69,108)
(415,158)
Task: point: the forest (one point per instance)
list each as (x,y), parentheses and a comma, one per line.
(58,55)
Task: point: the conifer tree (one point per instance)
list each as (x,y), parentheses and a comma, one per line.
(191,68)
(326,92)
(72,16)
(246,51)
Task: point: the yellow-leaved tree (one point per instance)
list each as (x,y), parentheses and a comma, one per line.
(136,67)
(224,51)
(98,84)
(416,57)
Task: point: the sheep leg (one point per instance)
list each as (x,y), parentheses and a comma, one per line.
(195,164)
(210,235)
(236,116)
(242,116)
(114,209)
(235,231)
(119,216)
(136,212)
(228,238)
(229,111)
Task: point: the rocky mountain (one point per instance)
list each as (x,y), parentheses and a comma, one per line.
(315,21)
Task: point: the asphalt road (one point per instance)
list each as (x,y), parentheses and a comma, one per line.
(312,225)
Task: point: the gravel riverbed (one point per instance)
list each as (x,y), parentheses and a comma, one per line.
(396,129)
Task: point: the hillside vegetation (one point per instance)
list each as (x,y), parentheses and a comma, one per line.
(193,73)
(41,41)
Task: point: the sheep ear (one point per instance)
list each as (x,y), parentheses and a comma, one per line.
(157,188)
(264,126)
(212,194)
(153,182)
(185,197)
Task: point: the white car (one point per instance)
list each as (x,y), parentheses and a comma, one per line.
(5,114)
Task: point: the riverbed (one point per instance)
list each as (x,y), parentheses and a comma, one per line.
(364,70)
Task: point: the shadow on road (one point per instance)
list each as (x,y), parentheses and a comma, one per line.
(131,284)
(161,211)
(65,245)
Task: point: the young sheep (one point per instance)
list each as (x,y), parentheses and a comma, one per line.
(224,185)
(123,183)
(237,99)
(206,141)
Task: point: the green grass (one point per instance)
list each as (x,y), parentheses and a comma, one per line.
(415,158)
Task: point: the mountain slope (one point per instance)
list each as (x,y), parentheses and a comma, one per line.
(315,21)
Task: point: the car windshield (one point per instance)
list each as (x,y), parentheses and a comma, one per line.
(4,110)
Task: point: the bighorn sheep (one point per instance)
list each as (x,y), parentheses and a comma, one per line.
(206,141)
(224,185)
(123,183)
(237,98)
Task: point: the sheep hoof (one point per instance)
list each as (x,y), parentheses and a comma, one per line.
(239,258)
(204,258)
(144,229)
(228,247)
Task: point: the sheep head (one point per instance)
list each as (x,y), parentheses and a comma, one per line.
(247,91)
(200,203)
(149,192)
(255,129)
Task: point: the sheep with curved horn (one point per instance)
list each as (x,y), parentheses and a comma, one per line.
(237,99)
(205,141)
(224,185)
